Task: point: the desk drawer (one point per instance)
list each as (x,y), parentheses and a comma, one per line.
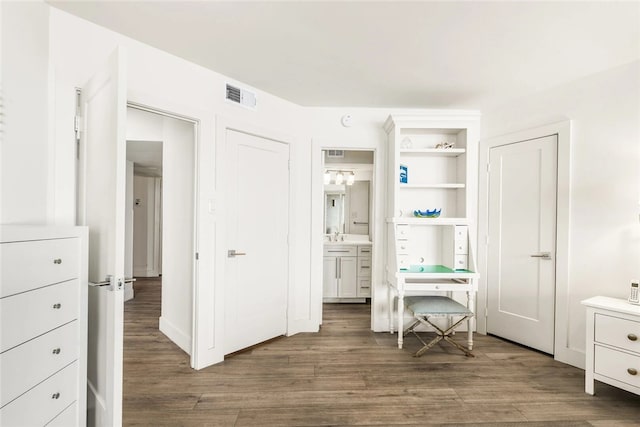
(618,332)
(618,365)
(23,367)
(30,314)
(44,402)
(30,265)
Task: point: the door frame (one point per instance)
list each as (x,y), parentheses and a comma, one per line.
(217,206)
(562,129)
(204,352)
(376,216)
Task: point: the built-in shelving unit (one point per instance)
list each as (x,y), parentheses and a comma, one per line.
(426,255)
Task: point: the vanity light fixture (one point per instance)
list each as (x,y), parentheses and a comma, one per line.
(351,178)
(348,177)
(327,177)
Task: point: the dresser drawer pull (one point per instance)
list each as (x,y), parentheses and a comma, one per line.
(57,261)
(56,351)
(632,371)
(57,306)
(55,396)
(632,337)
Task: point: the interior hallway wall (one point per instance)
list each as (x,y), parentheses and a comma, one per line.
(604,110)
(25,153)
(78,48)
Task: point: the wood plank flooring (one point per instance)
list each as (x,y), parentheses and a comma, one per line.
(348,375)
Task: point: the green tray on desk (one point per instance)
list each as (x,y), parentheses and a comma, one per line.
(431,269)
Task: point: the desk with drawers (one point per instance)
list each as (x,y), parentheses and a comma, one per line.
(43,325)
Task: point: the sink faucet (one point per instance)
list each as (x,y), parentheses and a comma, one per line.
(335,236)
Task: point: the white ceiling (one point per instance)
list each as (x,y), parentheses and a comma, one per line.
(445,54)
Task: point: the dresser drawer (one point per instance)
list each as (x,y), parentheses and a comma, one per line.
(402,231)
(618,332)
(23,367)
(44,402)
(27,315)
(340,250)
(617,365)
(30,265)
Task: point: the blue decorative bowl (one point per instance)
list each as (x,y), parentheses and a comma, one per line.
(435,213)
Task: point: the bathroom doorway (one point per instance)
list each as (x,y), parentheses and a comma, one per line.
(347,231)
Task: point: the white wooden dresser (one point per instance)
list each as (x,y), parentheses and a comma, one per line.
(43,326)
(613,344)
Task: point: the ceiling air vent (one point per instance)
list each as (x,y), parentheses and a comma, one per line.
(241,97)
(335,153)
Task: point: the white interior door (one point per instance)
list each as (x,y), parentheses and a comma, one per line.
(255,300)
(522,237)
(101,203)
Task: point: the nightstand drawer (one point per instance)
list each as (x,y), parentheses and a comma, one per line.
(30,314)
(33,264)
(44,402)
(622,333)
(25,366)
(617,365)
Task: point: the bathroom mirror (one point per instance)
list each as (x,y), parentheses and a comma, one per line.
(334,212)
(346,208)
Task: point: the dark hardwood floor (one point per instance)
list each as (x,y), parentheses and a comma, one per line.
(348,375)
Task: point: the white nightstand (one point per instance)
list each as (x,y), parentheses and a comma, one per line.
(613,344)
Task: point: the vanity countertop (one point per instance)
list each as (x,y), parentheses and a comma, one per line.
(349,243)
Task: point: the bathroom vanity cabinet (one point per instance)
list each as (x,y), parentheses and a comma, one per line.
(346,272)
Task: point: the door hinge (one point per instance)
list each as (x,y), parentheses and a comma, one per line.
(77,121)
(486,240)
(486,312)
(197,256)
(488,167)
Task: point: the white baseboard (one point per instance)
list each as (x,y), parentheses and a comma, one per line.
(570,357)
(181,339)
(144,272)
(299,326)
(128,291)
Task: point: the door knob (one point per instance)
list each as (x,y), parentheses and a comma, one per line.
(232,253)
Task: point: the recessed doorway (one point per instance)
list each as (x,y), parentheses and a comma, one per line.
(347,231)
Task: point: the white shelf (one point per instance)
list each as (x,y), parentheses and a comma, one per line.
(453,152)
(439,186)
(428,221)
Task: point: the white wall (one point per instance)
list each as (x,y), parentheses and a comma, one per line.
(78,48)
(25,153)
(604,110)
(145,256)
